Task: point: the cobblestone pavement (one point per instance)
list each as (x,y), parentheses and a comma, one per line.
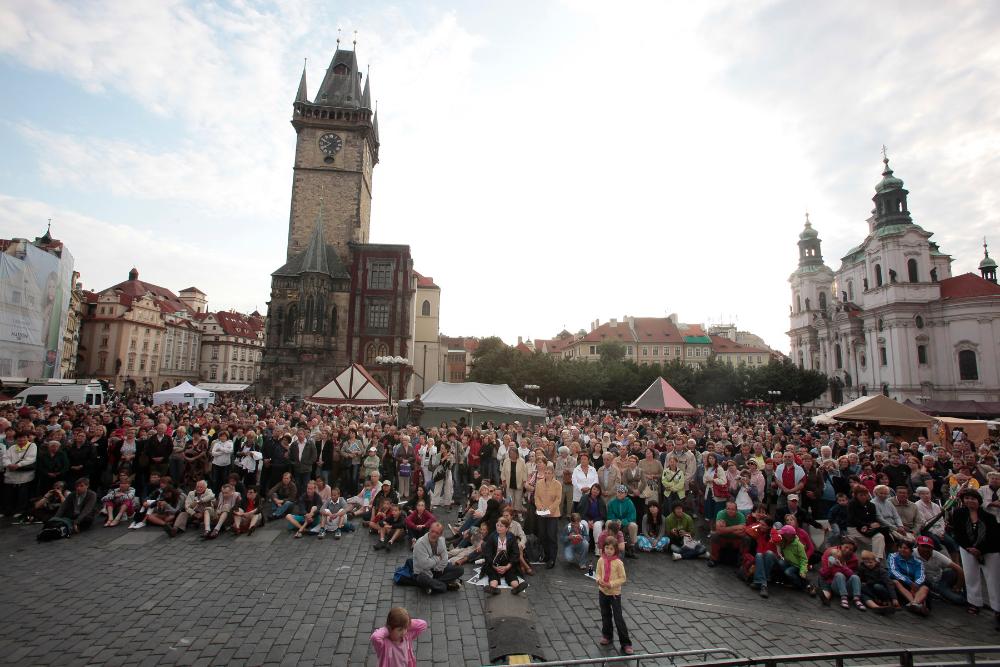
(118,597)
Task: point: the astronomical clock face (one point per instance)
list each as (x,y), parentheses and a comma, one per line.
(330,143)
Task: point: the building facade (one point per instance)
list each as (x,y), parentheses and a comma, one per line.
(232,345)
(337,299)
(660,340)
(142,337)
(428,355)
(71,332)
(892,318)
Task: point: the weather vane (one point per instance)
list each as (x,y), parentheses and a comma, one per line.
(338,38)
(355,40)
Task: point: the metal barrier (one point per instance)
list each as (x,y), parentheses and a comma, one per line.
(902,657)
(619,659)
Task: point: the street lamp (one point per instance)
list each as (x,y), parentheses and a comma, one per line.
(775,394)
(529,388)
(393,363)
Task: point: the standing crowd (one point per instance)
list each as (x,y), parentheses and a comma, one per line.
(854,516)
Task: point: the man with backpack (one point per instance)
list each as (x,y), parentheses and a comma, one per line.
(77,511)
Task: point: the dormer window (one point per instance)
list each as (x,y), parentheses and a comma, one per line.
(340,69)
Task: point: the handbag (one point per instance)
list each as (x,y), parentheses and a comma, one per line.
(404,470)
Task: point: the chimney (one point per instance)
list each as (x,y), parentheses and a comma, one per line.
(519,341)
(614,323)
(673,318)
(133,274)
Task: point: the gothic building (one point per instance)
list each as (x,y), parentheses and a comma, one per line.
(337,299)
(892,318)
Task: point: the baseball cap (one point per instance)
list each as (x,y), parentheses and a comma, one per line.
(923,540)
(793,496)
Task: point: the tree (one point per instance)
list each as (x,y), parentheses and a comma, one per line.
(611,351)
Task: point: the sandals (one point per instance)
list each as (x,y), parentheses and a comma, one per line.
(845,603)
(859,605)
(972,610)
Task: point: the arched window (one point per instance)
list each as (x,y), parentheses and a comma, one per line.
(850,290)
(309,313)
(968,367)
(801,360)
(370,353)
(798,304)
(333,321)
(822,300)
(878,275)
(934,277)
(291,324)
(317,324)
(807,304)
(838,355)
(911,270)
(425,309)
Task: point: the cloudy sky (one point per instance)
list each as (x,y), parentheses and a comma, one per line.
(549,163)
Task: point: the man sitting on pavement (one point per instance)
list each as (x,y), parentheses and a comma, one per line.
(431,568)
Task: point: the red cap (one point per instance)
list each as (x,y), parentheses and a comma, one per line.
(924,540)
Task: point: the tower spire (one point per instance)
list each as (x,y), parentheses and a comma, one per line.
(301,95)
(988,266)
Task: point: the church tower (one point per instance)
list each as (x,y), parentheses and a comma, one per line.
(338,299)
(988,265)
(336,149)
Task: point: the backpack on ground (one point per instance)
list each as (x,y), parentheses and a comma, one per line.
(404,574)
(533,552)
(55,529)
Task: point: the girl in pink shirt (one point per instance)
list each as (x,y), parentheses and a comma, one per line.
(393,643)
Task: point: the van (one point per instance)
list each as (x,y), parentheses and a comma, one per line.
(84,392)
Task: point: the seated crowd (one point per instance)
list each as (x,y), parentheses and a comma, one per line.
(857,517)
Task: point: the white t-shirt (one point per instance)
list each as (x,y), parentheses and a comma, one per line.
(934,566)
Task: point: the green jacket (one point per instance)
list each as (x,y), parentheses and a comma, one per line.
(795,553)
(622,510)
(685,523)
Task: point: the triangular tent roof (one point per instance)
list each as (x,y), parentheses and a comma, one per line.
(497,398)
(876,408)
(661,397)
(354,386)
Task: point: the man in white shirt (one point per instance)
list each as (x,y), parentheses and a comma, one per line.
(991,493)
(584,477)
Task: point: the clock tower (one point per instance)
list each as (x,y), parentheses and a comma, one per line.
(338,299)
(336,149)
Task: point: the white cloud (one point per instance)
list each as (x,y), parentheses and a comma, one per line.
(104,252)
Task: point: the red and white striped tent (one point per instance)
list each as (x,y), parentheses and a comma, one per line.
(660,397)
(354,386)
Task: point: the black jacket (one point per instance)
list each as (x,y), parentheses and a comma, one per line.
(861,516)
(986,537)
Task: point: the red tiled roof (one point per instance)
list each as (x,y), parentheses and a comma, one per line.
(425,281)
(656,330)
(192,289)
(967,286)
(723,345)
(521,347)
(134,289)
(238,324)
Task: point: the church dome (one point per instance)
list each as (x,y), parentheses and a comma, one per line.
(808,232)
(888,182)
(987,263)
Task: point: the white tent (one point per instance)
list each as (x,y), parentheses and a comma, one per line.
(185,392)
(354,386)
(474,401)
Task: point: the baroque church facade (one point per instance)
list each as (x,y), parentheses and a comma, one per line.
(892,318)
(338,299)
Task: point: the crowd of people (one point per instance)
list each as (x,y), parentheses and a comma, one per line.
(858,517)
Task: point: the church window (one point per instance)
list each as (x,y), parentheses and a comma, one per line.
(378,315)
(807,305)
(892,276)
(968,368)
(370,353)
(839,356)
(340,69)
(317,325)
(911,270)
(919,321)
(934,275)
(822,300)
(921,354)
(878,275)
(291,323)
(309,313)
(850,290)
(380,275)
(425,309)
(883,358)
(798,304)
(333,322)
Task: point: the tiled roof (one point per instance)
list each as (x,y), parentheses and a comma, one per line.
(656,330)
(723,345)
(134,289)
(238,324)
(425,281)
(967,286)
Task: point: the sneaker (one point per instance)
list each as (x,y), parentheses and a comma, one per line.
(604,641)
(315,530)
(710,563)
(627,649)
(141,524)
(763,591)
(320,535)
(336,534)
(678,557)
(480,561)
(455,585)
